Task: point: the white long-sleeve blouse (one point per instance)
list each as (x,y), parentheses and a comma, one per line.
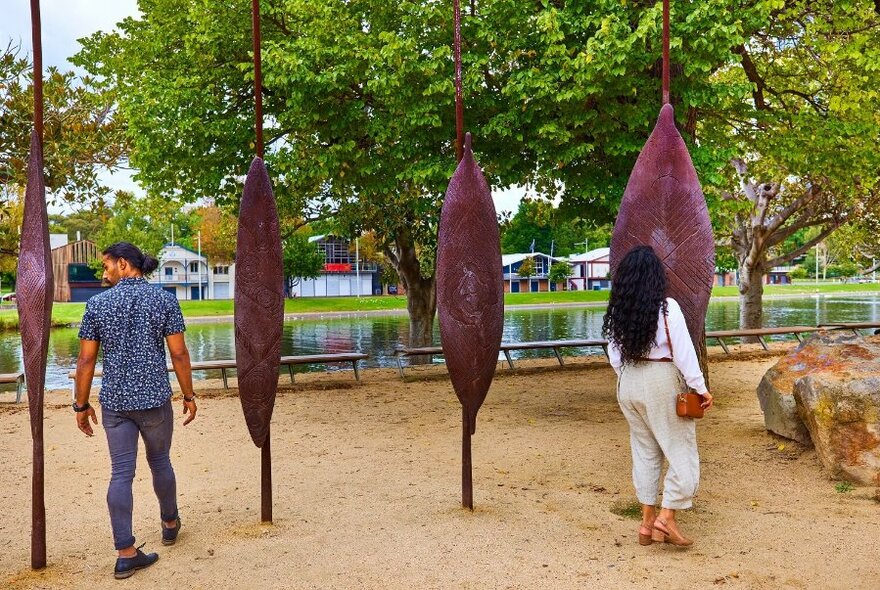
(685,357)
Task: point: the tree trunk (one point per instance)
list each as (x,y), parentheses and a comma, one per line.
(421,302)
(421,295)
(751,291)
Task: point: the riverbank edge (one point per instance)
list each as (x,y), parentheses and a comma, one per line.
(213,387)
(311,315)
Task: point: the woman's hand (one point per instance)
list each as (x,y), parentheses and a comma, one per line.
(707,400)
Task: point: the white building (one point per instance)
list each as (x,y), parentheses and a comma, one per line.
(189,276)
(590,270)
(343,272)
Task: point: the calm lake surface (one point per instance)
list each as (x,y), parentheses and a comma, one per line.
(378,334)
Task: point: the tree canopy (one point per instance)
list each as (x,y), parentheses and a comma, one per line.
(561,96)
(81,135)
(801,135)
(147,223)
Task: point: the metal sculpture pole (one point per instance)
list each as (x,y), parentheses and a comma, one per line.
(34,287)
(259,296)
(470,293)
(459,102)
(258,76)
(663,206)
(665,51)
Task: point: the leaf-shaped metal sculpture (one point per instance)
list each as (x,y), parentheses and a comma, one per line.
(259,312)
(470,295)
(259,301)
(34,288)
(259,293)
(663,206)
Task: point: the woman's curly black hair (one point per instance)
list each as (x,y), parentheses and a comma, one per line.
(638,293)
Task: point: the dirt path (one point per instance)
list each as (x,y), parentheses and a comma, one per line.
(367,491)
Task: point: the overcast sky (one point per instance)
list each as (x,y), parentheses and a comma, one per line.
(65,21)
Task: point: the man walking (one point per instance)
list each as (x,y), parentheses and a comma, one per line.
(130,322)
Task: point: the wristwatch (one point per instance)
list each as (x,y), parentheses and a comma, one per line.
(81,408)
(190,398)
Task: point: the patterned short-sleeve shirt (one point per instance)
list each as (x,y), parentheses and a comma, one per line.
(131,321)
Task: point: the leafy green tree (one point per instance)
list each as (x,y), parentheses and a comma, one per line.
(358,101)
(343,83)
(562,95)
(302,259)
(82,134)
(560,272)
(219,232)
(801,135)
(538,220)
(85,222)
(858,242)
(843,270)
(11,212)
(147,223)
(527,268)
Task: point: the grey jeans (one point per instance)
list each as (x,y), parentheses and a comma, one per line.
(123,428)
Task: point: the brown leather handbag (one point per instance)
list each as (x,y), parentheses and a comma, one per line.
(687,403)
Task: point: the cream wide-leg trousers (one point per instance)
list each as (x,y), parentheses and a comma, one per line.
(646,393)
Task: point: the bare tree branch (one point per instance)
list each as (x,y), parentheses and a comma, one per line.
(797,205)
(780,260)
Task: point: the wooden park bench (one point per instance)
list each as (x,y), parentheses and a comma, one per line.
(18,379)
(854,326)
(758,333)
(288,361)
(401,351)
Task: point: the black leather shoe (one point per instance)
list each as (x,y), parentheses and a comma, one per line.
(127,566)
(169,536)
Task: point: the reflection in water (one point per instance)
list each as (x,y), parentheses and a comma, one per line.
(378,334)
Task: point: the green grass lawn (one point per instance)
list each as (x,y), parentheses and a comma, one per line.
(64,314)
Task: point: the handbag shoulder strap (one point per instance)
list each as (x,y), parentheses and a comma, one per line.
(668,337)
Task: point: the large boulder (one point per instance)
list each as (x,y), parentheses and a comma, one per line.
(842,412)
(776,390)
(776,396)
(827,392)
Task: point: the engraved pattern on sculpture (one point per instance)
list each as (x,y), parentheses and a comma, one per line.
(35,284)
(259,302)
(470,293)
(663,206)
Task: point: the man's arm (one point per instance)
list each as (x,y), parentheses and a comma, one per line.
(180,361)
(85,373)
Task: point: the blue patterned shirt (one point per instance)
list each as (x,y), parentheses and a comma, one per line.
(131,321)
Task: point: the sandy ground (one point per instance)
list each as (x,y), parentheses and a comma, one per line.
(367,493)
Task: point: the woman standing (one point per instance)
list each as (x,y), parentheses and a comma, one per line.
(650,350)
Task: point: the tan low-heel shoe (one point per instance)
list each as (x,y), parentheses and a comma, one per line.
(670,534)
(646,538)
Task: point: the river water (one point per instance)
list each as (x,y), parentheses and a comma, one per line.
(378,334)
